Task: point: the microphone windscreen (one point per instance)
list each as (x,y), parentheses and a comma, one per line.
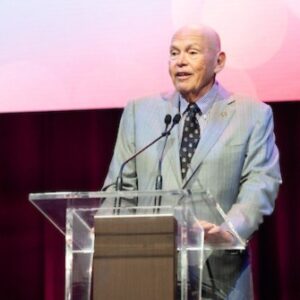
(176,119)
(168,119)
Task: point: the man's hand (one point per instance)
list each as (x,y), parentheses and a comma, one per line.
(214,234)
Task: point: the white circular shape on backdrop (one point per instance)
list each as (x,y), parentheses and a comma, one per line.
(294,6)
(252,31)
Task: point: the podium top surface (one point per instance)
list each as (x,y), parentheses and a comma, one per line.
(110,194)
(196,205)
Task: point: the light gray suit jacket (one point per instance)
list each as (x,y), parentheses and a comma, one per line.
(236,159)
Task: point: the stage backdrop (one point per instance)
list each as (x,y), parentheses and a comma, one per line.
(71,150)
(62,54)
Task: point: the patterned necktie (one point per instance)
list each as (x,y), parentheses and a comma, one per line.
(190,138)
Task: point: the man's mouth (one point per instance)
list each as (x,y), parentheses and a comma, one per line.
(183,75)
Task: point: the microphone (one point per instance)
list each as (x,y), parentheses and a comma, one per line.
(158,183)
(168,119)
(176,120)
(159,178)
(165,133)
(119,181)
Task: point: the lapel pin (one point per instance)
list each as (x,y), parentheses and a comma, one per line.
(224,114)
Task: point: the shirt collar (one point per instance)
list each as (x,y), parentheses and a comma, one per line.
(204,103)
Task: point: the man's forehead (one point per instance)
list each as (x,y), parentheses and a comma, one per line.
(188,38)
(185,35)
(203,36)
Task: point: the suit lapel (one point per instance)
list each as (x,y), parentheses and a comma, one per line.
(219,118)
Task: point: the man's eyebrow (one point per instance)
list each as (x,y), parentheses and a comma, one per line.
(173,49)
(194,45)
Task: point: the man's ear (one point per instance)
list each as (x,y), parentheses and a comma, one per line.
(220,63)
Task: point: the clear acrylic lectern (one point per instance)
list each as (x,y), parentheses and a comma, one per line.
(76,213)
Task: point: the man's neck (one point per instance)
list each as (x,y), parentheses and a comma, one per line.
(195,97)
(205,102)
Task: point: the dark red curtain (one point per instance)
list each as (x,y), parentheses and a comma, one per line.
(71,150)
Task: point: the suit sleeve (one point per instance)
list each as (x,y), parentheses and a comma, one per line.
(260,178)
(124,148)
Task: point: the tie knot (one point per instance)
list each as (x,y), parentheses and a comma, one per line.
(193,109)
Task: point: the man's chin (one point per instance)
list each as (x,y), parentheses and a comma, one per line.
(188,95)
(183,91)
(182,88)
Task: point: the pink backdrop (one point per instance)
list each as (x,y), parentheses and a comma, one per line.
(59,54)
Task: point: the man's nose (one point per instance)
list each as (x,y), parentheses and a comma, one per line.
(181,59)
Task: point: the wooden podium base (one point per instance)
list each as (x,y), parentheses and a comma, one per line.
(135,258)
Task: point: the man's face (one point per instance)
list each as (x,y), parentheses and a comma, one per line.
(193,64)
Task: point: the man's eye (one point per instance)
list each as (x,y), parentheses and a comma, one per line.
(193,52)
(173,53)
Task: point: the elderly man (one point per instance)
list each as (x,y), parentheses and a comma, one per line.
(225,142)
